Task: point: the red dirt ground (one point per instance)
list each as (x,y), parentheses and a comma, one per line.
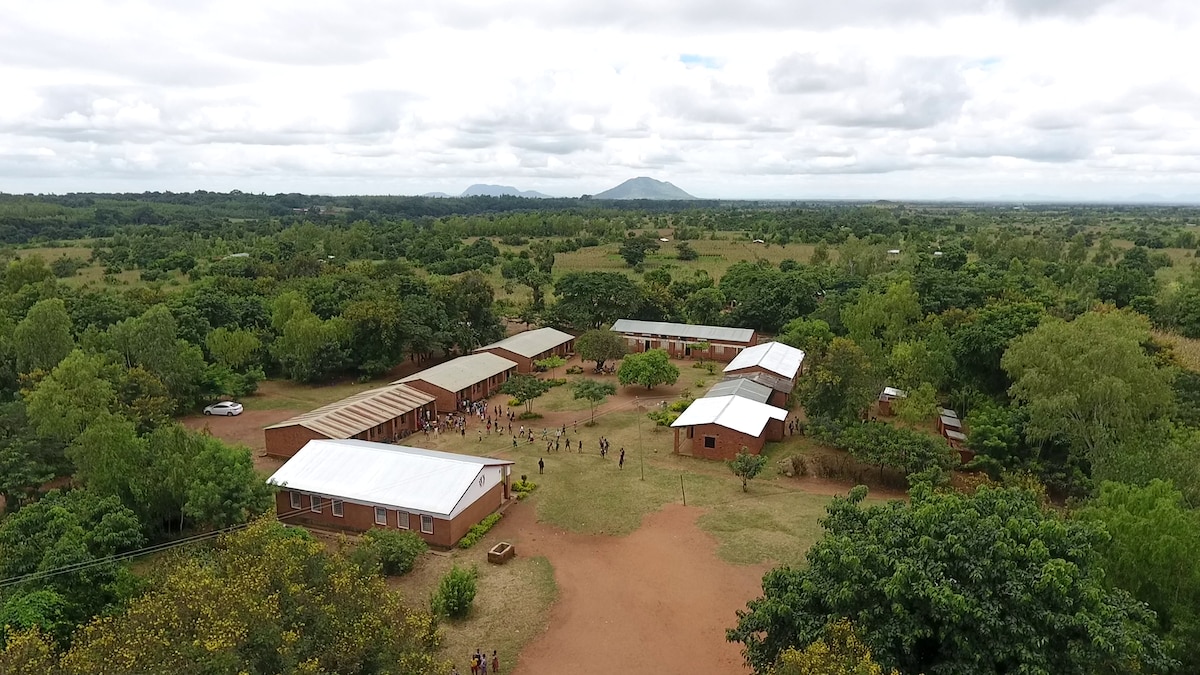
(656,602)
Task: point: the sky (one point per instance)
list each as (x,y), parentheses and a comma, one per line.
(803,99)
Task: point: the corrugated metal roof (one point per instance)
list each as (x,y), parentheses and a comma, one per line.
(947,412)
(773,381)
(741,386)
(683,330)
(893,392)
(362,411)
(532,342)
(774,356)
(952,422)
(458,374)
(396,476)
(731,412)
(955,435)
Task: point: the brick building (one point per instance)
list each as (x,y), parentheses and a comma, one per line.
(355,485)
(386,414)
(677,338)
(718,427)
(467,378)
(532,345)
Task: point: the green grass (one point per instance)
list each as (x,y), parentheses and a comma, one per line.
(768,524)
(286,395)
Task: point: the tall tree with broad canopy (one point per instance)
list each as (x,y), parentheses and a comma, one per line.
(1089,381)
(43,338)
(600,346)
(592,299)
(955,584)
(647,369)
(525,388)
(1155,539)
(841,383)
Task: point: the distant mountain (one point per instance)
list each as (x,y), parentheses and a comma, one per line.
(643,188)
(440,195)
(481,190)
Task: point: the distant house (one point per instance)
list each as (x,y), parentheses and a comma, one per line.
(771,358)
(467,378)
(677,338)
(385,414)
(893,252)
(718,427)
(356,485)
(889,396)
(530,346)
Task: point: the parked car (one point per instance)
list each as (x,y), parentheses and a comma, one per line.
(224,408)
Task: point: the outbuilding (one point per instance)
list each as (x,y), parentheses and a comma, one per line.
(468,378)
(385,414)
(355,485)
(888,396)
(678,339)
(718,427)
(771,358)
(531,346)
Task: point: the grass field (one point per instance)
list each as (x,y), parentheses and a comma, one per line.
(287,395)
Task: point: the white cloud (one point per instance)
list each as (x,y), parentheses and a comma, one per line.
(858,98)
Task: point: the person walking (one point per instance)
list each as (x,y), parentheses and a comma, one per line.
(621,462)
(580,445)
(483,663)
(541,465)
(495,663)
(475,663)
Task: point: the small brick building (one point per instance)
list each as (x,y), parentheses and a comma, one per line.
(718,427)
(385,414)
(532,345)
(677,338)
(354,486)
(467,378)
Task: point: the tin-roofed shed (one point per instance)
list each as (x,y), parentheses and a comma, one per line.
(678,339)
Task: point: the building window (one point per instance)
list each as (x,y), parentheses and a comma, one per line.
(402,520)
(427,524)
(710,441)
(315,507)
(380,515)
(336,506)
(691,432)
(720,349)
(295,499)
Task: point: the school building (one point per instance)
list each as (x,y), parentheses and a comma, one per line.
(678,339)
(468,378)
(531,346)
(385,414)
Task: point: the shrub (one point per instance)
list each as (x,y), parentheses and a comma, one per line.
(395,551)
(556,381)
(680,405)
(512,403)
(455,593)
(476,532)
(575,370)
(663,418)
(527,415)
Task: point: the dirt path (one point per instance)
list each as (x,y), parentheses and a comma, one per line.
(655,602)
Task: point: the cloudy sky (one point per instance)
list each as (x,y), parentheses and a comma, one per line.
(926,99)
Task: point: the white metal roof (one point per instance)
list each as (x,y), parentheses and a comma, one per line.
(731,412)
(892,392)
(362,411)
(773,356)
(531,342)
(741,386)
(462,372)
(683,330)
(397,476)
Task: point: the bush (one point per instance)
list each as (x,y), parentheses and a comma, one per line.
(663,418)
(512,403)
(556,382)
(575,370)
(477,531)
(527,415)
(523,487)
(455,593)
(680,405)
(395,551)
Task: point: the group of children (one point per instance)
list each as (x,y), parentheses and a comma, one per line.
(480,663)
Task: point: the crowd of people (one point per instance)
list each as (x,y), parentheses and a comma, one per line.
(481,663)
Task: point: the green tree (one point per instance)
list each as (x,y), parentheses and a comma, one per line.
(1152,552)
(234,349)
(919,406)
(592,391)
(223,488)
(634,249)
(979,344)
(704,306)
(25,271)
(525,388)
(1013,587)
(27,461)
(840,384)
(310,349)
(1089,381)
(811,335)
(152,342)
(592,299)
(747,466)
(551,363)
(878,321)
(71,397)
(684,251)
(838,652)
(43,338)
(648,369)
(600,346)
(527,273)
(395,552)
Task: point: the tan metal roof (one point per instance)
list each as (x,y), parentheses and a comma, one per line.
(462,372)
(362,411)
(683,330)
(531,342)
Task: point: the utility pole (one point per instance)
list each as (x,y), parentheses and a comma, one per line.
(641,459)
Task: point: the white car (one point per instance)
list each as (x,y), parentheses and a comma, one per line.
(224,408)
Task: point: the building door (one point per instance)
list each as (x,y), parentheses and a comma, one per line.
(646,347)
